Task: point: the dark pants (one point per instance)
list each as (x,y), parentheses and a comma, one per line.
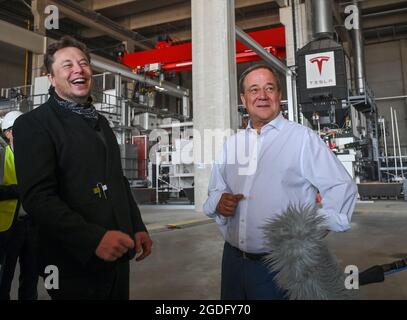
(3,241)
(20,245)
(112,285)
(245,278)
(2,260)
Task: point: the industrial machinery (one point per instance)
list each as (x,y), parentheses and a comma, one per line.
(147,102)
(326,101)
(342,109)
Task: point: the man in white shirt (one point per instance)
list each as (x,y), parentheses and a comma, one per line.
(287,164)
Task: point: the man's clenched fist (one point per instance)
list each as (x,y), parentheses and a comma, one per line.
(228,203)
(113,245)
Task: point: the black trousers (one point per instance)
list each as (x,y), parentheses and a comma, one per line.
(3,241)
(112,285)
(20,245)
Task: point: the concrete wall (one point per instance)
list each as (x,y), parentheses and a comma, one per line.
(386,74)
(12,64)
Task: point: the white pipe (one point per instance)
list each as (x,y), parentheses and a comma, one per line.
(157,171)
(391,98)
(176,125)
(385,148)
(116,68)
(290,99)
(394,141)
(104,81)
(375,14)
(398,142)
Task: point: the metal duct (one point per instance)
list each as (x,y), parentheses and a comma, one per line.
(322,17)
(103,64)
(358,52)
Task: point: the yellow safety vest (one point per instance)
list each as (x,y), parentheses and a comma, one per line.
(8,207)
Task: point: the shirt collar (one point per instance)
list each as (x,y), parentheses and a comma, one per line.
(276,123)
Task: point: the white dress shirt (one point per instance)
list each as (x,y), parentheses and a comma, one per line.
(286,164)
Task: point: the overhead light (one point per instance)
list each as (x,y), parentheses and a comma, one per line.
(161,89)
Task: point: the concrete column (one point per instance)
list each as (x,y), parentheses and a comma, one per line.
(302,29)
(38,8)
(214,83)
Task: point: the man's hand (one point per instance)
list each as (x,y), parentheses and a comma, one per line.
(228,203)
(143,245)
(113,245)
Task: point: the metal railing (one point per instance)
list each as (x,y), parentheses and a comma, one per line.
(16,92)
(109,105)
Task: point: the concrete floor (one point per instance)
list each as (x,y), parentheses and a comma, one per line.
(186,260)
(378,236)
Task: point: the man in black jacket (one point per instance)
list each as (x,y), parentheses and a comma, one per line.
(70,176)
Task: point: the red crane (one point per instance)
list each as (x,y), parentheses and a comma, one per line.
(177,58)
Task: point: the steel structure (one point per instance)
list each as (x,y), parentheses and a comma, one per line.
(177,58)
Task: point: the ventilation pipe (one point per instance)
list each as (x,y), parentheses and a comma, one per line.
(358,52)
(322,17)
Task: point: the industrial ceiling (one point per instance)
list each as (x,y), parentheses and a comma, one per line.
(104,24)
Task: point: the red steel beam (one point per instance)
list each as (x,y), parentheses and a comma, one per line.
(241,57)
(179,57)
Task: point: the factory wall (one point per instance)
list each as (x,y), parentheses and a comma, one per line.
(12,63)
(386,74)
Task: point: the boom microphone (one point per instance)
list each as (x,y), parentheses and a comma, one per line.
(377,273)
(305,268)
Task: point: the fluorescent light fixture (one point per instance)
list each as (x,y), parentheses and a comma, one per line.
(161,89)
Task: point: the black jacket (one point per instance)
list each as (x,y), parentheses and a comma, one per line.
(59,160)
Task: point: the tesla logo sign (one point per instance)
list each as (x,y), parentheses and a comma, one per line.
(319,61)
(320,70)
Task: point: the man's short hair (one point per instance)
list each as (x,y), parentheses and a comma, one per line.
(64,42)
(255,67)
